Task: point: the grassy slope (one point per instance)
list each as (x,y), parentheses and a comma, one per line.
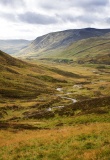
(15,79)
(19,79)
(91,50)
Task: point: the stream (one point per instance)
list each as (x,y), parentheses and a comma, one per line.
(73,100)
(57,107)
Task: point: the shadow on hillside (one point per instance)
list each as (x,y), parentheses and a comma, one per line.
(6,126)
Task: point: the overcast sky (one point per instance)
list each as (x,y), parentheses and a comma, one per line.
(28,19)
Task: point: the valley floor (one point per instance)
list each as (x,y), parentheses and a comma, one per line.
(71,121)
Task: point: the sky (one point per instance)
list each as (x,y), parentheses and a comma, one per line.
(28,19)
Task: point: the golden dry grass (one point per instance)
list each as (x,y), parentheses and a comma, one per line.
(69,142)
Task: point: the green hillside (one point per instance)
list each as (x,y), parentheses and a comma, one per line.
(92,50)
(20,79)
(66,44)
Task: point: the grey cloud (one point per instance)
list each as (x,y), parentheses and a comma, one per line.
(88,8)
(12,3)
(84,4)
(61,7)
(30,18)
(51,6)
(90,3)
(36,18)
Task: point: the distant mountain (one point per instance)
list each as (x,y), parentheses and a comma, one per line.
(91,50)
(13,46)
(49,45)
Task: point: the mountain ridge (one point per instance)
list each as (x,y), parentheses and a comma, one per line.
(58,41)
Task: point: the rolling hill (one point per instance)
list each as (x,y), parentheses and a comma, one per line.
(13,46)
(18,79)
(58,44)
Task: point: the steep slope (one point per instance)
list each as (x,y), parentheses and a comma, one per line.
(92,50)
(58,41)
(18,79)
(13,46)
